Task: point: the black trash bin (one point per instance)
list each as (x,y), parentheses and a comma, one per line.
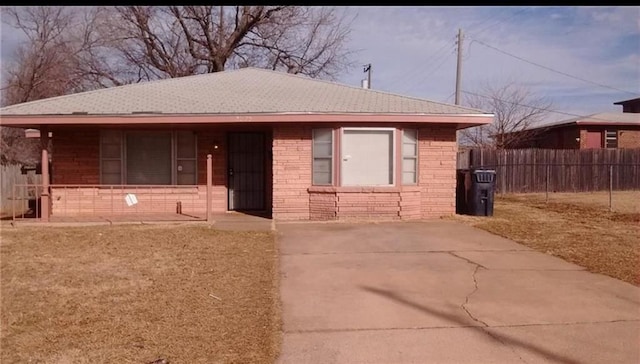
(481,193)
(463,186)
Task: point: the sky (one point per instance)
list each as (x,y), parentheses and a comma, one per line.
(412,51)
(587,57)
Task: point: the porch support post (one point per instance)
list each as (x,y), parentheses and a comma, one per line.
(44,197)
(209,186)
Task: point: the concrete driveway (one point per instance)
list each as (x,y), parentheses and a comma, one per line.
(443,292)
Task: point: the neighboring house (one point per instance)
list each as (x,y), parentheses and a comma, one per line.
(292,146)
(603,130)
(631,105)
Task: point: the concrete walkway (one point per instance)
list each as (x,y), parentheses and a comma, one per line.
(443,292)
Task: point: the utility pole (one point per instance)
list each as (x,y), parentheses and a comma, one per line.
(367,68)
(459,68)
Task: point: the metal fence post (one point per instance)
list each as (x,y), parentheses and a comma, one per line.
(209,186)
(610,187)
(546,188)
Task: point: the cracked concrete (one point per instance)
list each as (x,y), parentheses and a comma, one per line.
(466,300)
(442,292)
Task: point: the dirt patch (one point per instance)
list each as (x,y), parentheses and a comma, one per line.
(188,294)
(585,234)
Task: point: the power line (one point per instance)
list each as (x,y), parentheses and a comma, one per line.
(501,21)
(424,76)
(432,59)
(551,69)
(532,107)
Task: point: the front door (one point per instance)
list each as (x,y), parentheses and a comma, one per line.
(246,172)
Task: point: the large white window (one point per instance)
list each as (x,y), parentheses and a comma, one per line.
(367,156)
(148,157)
(409,156)
(322,156)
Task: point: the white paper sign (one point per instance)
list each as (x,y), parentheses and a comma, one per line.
(130,199)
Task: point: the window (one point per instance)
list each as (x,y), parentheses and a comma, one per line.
(148,157)
(367,157)
(409,156)
(186,158)
(322,156)
(111,157)
(611,139)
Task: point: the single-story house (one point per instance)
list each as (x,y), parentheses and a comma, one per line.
(631,105)
(602,130)
(290,146)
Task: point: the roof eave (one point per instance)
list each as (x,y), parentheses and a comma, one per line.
(33,121)
(613,123)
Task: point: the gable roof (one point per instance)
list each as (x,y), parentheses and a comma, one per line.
(245,91)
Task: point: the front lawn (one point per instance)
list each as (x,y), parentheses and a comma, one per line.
(136,294)
(578,228)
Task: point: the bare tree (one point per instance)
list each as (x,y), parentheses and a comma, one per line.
(516,108)
(176,41)
(41,68)
(74,49)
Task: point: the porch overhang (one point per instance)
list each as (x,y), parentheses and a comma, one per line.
(461,121)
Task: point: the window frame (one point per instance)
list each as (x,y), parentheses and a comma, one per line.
(607,138)
(122,134)
(415,157)
(394,154)
(331,158)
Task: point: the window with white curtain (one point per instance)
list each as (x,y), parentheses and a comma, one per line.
(367,156)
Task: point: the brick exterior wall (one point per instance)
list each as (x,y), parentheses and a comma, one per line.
(437,170)
(629,138)
(368,203)
(76,161)
(205,145)
(94,201)
(291,172)
(75,157)
(583,138)
(434,196)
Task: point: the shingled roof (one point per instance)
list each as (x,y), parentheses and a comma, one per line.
(605,118)
(245,91)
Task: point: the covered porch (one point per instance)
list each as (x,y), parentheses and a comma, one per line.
(156,172)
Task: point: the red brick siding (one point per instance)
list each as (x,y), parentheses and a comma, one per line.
(323,205)
(437,170)
(206,140)
(364,203)
(629,138)
(433,196)
(90,201)
(75,157)
(291,172)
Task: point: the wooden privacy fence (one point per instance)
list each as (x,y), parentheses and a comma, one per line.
(557,170)
(11,175)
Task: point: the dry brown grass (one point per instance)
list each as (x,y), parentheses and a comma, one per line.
(583,233)
(135,294)
(622,201)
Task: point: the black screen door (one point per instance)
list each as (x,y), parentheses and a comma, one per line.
(246,172)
